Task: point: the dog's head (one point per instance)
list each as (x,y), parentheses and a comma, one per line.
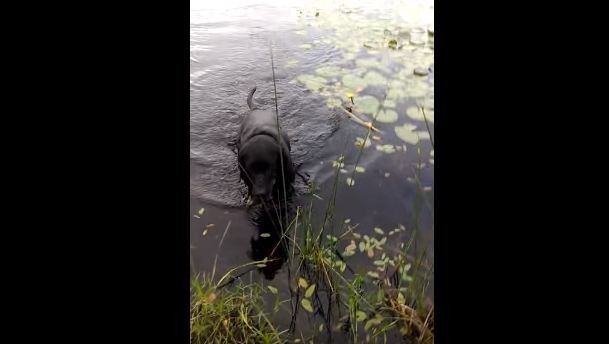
(259,160)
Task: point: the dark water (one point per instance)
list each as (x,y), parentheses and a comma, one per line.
(230,53)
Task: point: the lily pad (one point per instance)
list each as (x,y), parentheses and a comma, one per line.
(416,113)
(353,81)
(407,134)
(327,71)
(367,104)
(386,148)
(389,104)
(387,116)
(375,79)
(359,141)
(312,82)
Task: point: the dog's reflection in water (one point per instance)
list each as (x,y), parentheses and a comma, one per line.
(267,242)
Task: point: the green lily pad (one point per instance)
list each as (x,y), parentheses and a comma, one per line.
(416,113)
(327,71)
(312,82)
(389,104)
(386,148)
(407,134)
(375,79)
(367,104)
(353,82)
(387,116)
(359,141)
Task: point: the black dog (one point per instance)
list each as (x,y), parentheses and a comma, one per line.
(262,150)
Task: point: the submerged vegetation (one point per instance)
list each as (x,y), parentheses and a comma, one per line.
(328,288)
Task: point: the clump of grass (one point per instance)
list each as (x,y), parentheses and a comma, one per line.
(230,315)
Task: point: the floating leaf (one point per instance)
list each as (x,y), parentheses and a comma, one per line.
(348,253)
(387,116)
(272,289)
(367,104)
(362,246)
(392,44)
(350,181)
(379,263)
(312,82)
(389,104)
(387,174)
(342,170)
(373,274)
(360,316)
(357,235)
(210,225)
(427,188)
(321,327)
(310,290)
(305,46)
(406,133)
(423,135)
(370,253)
(265,235)
(359,141)
(360,169)
(328,71)
(347,220)
(197,216)
(201,211)
(386,148)
(204,232)
(353,81)
(306,304)
(375,79)
(334,103)
(379,230)
(303,283)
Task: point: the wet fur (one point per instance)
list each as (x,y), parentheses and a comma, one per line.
(260,147)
